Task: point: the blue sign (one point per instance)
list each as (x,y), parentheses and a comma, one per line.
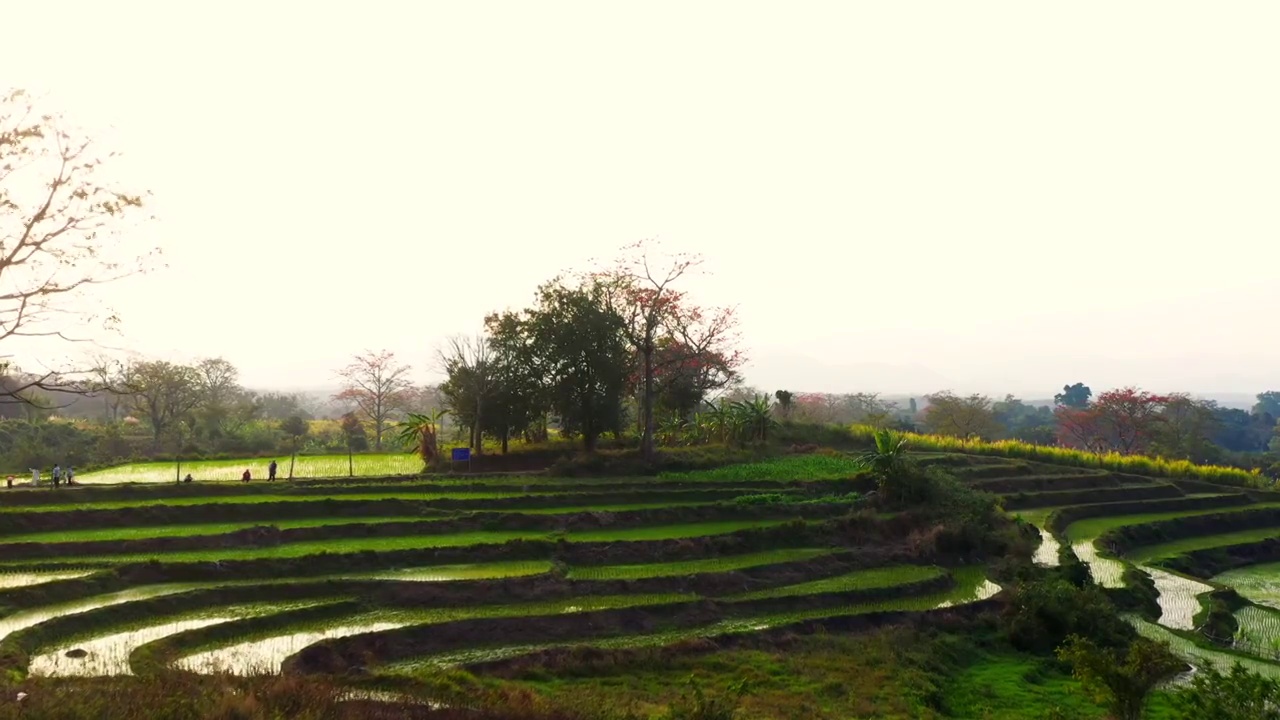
(462,454)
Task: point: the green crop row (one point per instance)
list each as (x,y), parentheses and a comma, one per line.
(788,467)
(413,542)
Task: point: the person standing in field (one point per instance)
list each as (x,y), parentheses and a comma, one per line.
(35,477)
(57,475)
(271,471)
(245,476)
(71,476)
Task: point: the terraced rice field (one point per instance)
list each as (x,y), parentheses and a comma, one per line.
(1257,583)
(225,577)
(402,577)
(1105,505)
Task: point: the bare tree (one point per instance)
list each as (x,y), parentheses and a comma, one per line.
(60,224)
(377,384)
(468,363)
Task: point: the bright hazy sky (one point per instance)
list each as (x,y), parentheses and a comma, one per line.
(898,196)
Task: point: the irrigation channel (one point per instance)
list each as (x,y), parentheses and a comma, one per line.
(398,577)
(413,574)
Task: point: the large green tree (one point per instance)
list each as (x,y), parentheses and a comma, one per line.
(583,354)
(162,393)
(1268,404)
(964,417)
(1073,396)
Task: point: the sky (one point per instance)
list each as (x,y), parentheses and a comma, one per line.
(896,197)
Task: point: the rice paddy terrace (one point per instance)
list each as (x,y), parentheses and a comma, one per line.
(392,580)
(1201,559)
(389,581)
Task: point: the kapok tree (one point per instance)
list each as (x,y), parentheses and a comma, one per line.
(663,326)
(378,385)
(1124,420)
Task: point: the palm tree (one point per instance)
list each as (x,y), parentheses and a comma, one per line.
(888,461)
(419,431)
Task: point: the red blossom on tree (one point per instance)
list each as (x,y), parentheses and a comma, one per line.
(1123,420)
(666,330)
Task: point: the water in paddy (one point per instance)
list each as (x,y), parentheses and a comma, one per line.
(1179,598)
(109,655)
(1047,553)
(26,579)
(971,587)
(1105,571)
(26,618)
(266,656)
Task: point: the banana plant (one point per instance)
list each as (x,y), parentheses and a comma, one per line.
(420,432)
(671,429)
(754,418)
(719,421)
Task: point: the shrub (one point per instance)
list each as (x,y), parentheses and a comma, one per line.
(1043,613)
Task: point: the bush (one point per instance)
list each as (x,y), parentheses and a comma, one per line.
(1043,613)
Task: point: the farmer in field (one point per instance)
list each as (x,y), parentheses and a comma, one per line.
(71,476)
(245,476)
(57,475)
(271,471)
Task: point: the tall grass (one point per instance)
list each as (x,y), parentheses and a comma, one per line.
(1137,464)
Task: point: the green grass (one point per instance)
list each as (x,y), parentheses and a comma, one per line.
(1008,686)
(789,467)
(693,567)
(308,466)
(442,573)
(857,580)
(153,531)
(412,542)
(1091,528)
(1152,553)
